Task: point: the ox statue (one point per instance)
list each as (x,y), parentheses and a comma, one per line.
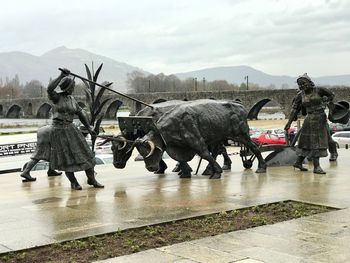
(124,144)
(191,128)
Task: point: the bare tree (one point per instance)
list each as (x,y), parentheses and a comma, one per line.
(34,89)
(137,82)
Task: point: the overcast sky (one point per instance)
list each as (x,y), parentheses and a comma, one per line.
(279,37)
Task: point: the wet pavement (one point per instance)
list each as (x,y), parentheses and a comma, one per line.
(48,211)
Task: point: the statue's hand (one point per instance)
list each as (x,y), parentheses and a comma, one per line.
(325,99)
(287,127)
(92,132)
(65,71)
(331,105)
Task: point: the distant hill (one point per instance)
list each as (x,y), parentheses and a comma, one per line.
(29,67)
(236,75)
(42,68)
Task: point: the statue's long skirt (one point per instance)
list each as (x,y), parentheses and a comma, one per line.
(42,151)
(313,140)
(69,150)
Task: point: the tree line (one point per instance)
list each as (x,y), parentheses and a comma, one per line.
(13,89)
(138,82)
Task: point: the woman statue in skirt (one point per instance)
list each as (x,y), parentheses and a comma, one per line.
(69,151)
(314,134)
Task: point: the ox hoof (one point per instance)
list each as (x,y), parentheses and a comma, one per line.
(226,167)
(215,176)
(159,172)
(261,170)
(207,172)
(185,175)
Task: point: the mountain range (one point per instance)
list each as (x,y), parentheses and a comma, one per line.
(236,74)
(44,67)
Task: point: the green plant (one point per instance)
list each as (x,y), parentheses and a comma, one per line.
(94,100)
(152,230)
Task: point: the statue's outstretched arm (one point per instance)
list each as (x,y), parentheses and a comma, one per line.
(296,107)
(53,96)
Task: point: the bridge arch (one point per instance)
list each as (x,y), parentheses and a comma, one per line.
(112,109)
(44,111)
(14,112)
(29,110)
(256,108)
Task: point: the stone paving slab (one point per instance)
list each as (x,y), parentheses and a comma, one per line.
(269,244)
(48,211)
(200,253)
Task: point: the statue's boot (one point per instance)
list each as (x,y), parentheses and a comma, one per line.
(299,163)
(73,181)
(52,172)
(332,145)
(317,167)
(91,178)
(333,157)
(26,172)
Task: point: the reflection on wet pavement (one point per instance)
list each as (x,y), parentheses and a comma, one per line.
(48,211)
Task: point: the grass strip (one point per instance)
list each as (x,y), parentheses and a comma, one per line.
(124,242)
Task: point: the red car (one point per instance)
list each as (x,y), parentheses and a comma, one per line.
(267,138)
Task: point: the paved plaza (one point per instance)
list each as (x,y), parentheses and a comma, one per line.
(48,211)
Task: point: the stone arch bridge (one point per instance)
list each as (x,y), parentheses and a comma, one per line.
(40,107)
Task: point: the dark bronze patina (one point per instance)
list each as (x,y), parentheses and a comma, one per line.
(63,144)
(314,136)
(190,128)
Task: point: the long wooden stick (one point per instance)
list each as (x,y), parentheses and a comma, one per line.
(199,164)
(102,86)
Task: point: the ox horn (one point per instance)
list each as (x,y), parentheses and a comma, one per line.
(112,138)
(124,144)
(152,146)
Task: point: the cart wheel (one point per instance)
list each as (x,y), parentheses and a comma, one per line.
(243,153)
(247,164)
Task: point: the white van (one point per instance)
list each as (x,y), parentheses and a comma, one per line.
(342,138)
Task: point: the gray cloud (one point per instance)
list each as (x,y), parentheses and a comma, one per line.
(178,36)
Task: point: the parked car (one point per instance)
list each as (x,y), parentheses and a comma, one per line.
(267,138)
(337,127)
(254,131)
(279,132)
(104,159)
(99,159)
(342,139)
(100,148)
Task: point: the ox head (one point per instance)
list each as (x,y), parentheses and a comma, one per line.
(151,147)
(121,148)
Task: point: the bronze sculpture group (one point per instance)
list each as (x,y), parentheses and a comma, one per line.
(187,129)
(183,129)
